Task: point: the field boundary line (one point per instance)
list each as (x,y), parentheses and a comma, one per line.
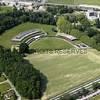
(86,85)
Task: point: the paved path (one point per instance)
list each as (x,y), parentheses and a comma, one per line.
(3,82)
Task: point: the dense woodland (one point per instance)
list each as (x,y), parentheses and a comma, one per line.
(27,80)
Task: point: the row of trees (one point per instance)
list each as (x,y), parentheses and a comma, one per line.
(59,9)
(27,80)
(81,92)
(17,17)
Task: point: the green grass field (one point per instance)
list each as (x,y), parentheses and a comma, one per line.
(62,1)
(96,98)
(4,9)
(2,78)
(66,71)
(91,2)
(4,87)
(5,38)
(50,43)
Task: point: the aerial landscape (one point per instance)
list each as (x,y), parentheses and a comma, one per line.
(49,50)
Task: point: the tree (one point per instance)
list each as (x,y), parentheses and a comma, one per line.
(91,32)
(96,86)
(72,18)
(97,38)
(24,18)
(85,91)
(85,23)
(63,25)
(97,23)
(76,33)
(89,41)
(23,48)
(80,17)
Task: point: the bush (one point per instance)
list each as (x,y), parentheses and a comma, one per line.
(23,48)
(96,86)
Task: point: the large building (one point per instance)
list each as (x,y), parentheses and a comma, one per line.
(93,15)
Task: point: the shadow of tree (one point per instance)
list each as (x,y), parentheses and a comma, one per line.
(44,82)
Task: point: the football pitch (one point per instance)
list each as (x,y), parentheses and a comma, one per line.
(66,71)
(50,43)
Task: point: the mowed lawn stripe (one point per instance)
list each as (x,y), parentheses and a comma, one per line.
(51,43)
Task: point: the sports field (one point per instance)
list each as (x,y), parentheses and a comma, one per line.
(5,38)
(50,43)
(91,2)
(66,71)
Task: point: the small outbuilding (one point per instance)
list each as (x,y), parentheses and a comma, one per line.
(67,36)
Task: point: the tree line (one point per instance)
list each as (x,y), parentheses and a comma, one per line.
(59,9)
(16,17)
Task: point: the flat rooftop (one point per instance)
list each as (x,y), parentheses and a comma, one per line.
(70,37)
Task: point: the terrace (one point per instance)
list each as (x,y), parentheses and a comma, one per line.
(28,35)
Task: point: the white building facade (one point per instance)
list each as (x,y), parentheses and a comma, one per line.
(92,15)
